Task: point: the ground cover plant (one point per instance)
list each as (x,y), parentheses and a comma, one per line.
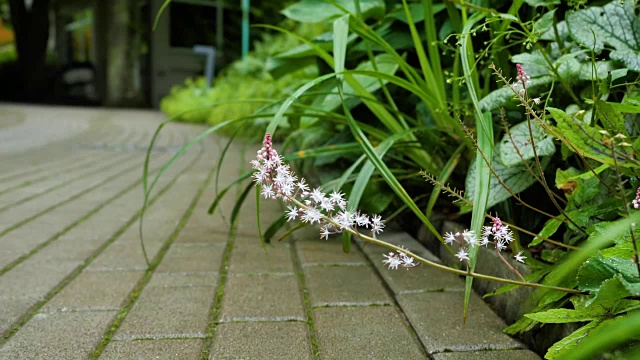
(507,101)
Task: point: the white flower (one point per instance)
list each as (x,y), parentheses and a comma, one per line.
(376,224)
(362,220)
(519,257)
(302,185)
(267,191)
(470,237)
(317,195)
(392,260)
(345,219)
(485,241)
(462,255)
(338,199)
(449,238)
(407,261)
(311,215)
(536,100)
(324,232)
(293,213)
(326,204)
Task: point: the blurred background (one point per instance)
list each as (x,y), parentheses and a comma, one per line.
(106,53)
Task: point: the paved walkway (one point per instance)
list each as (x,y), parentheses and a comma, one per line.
(74,283)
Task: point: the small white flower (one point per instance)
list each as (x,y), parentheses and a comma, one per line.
(326,204)
(311,215)
(376,224)
(302,185)
(393,261)
(338,199)
(519,257)
(462,255)
(362,220)
(536,101)
(293,213)
(485,241)
(470,237)
(407,261)
(324,232)
(267,191)
(449,238)
(317,195)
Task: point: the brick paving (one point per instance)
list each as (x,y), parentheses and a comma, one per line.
(74,282)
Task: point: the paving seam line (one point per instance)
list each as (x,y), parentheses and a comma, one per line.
(216,304)
(62,183)
(141,284)
(409,325)
(15,327)
(46,168)
(69,227)
(306,300)
(68,200)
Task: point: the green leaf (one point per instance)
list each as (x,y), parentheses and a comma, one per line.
(417,12)
(600,70)
(502,96)
(588,142)
(607,336)
(545,3)
(597,269)
(385,65)
(611,291)
(614,24)
(544,23)
(549,229)
(515,177)
(610,118)
(520,137)
(567,179)
(316,11)
(560,316)
(562,348)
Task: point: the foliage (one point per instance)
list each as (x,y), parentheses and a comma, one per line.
(395,94)
(233,90)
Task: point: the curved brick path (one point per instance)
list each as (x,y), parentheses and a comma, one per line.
(74,283)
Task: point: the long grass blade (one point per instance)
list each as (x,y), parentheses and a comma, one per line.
(484,128)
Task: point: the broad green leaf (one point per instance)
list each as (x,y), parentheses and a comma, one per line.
(600,70)
(519,140)
(549,229)
(559,316)
(545,3)
(544,23)
(316,11)
(610,118)
(607,336)
(533,63)
(502,96)
(566,179)
(611,291)
(597,269)
(562,348)
(614,24)
(588,142)
(515,177)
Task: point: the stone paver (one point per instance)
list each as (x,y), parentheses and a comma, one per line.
(262,340)
(74,282)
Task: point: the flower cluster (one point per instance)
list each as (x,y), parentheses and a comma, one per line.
(522,81)
(401,259)
(498,235)
(636,201)
(310,206)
